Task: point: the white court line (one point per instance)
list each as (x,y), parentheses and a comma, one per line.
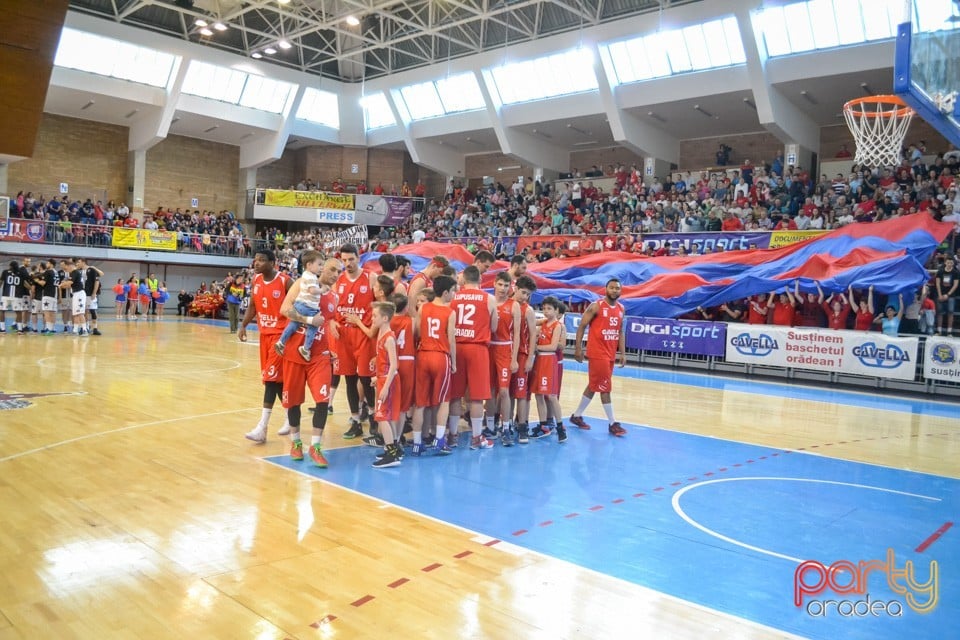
(131,427)
(510,548)
(680,512)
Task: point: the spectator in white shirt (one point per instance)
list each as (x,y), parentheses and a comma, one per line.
(803,221)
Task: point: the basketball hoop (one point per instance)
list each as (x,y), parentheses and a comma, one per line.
(879,124)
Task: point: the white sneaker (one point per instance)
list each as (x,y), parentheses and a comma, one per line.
(284,430)
(258,435)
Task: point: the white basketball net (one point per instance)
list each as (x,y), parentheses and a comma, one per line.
(879,129)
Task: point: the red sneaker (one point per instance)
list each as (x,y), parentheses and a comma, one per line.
(617,430)
(316,454)
(579,422)
(296,450)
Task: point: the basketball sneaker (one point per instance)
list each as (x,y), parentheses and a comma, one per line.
(296,450)
(617,430)
(390,458)
(440,447)
(96,332)
(316,454)
(355,431)
(561,434)
(374,440)
(523,433)
(258,434)
(508,435)
(579,422)
(540,431)
(284,430)
(480,442)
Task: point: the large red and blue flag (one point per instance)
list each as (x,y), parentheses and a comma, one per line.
(888,255)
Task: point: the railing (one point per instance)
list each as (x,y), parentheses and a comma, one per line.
(104,236)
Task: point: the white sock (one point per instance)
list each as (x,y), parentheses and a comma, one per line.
(264,418)
(417,438)
(488,422)
(476,424)
(441,429)
(584,403)
(76,328)
(608,409)
(314,440)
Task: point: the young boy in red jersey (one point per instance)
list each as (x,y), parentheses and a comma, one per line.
(436,361)
(387,408)
(504,348)
(546,383)
(519,385)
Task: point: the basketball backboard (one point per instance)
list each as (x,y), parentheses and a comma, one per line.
(926,69)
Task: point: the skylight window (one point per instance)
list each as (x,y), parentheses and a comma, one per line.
(113,58)
(557,75)
(377,112)
(320,107)
(236,87)
(709,45)
(825,24)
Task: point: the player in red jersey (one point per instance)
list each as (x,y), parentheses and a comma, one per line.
(387,410)
(606,338)
(476,319)
(546,374)
(425,278)
(504,348)
(517,269)
(354,350)
(402,327)
(436,362)
(520,383)
(315,373)
(266,297)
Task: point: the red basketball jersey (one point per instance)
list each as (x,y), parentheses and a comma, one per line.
(268,297)
(383,359)
(604,336)
(356,297)
(402,327)
(504,332)
(524,330)
(546,333)
(433,327)
(472,316)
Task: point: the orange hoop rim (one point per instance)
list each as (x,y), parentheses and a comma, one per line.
(900,108)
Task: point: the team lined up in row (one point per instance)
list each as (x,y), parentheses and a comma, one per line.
(421,348)
(35,295)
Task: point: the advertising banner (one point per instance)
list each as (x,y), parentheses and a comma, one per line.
(561,245)
(16,230)
(309,200)
(382,211)
(707,242)
(144,239)
(941,360)
(678,336)
(852,352)
(783,238)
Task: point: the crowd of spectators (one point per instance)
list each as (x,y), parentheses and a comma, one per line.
(91,222)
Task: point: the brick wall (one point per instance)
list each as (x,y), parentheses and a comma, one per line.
(181,168)
(490,164)
(759,147)
(89,156)
(583,160)
(385,166)
(280,173)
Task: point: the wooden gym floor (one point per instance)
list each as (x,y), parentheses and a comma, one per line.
(132,506)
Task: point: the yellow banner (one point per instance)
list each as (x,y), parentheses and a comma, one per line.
(144,239)
(309,199)
(783,238)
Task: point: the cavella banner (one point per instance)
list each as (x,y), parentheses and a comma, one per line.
(382,211)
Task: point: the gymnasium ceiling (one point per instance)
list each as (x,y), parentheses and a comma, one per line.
(392,35)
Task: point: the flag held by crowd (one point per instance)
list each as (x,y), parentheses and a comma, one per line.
(889,255)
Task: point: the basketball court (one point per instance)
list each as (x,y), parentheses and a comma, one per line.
(136,486)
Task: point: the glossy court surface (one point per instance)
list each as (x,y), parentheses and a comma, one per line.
(133,508)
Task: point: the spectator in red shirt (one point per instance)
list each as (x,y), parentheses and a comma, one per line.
(378,190)
(731,222)
(757,310)
(810,311)
(864,318)
(837,310)
(784,308)
(362,187)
